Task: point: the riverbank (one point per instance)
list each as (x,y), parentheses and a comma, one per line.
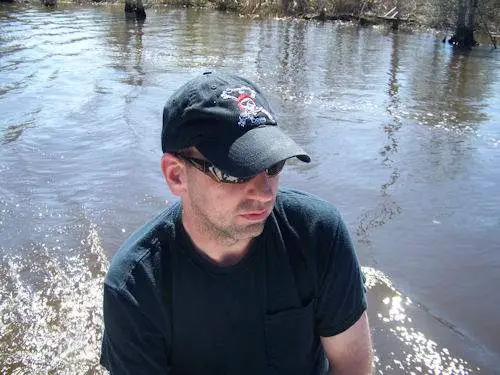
(415,15)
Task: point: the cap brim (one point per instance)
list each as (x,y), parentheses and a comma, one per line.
(253,152)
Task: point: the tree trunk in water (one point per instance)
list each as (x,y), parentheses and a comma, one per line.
(472,14)
(464,31)
(129,8)
(140,13)
(461,10)
(135,9)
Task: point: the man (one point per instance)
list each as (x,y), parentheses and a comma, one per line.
(238,277)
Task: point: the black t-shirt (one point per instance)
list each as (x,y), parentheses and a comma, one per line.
(168,310)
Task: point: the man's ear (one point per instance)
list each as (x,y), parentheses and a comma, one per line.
(175,173)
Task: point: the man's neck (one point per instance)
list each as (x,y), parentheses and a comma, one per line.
(224,251)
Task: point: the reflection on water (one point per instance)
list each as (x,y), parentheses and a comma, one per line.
(387,208)
(404,138)
(13,132)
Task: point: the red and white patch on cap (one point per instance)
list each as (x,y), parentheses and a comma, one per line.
(251,114)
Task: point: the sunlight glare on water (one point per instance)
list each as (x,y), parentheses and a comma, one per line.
(56,325)
(419,353)
(52,325)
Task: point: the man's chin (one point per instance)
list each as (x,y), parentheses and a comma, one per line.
(250,231)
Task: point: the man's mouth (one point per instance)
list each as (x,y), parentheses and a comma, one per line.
(256,215)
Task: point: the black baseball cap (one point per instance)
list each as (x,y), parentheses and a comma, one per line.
(227,118)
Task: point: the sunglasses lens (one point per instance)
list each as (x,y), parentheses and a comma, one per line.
(274,169)
(233,180)
(221,176)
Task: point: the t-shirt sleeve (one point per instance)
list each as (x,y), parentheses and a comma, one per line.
(131,343)
(341,297)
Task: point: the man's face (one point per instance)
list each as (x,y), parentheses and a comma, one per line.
(227,211)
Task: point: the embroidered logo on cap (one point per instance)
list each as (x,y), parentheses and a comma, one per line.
(251,114)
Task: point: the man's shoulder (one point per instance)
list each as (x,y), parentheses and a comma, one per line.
(305,207)
(140,250)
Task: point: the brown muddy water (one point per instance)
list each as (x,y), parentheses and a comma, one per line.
(405,139)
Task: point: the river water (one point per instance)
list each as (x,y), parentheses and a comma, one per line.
(404,135)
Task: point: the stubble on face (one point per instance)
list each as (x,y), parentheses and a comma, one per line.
(220,225)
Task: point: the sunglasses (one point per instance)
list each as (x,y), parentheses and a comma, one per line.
(219,175)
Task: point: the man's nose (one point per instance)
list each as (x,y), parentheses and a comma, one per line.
(263,187)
